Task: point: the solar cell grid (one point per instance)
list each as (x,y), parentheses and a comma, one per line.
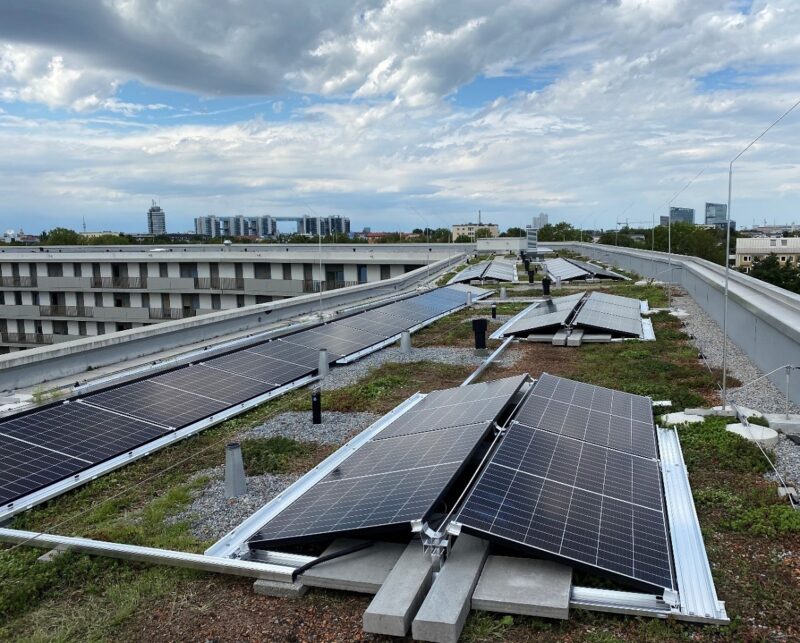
(411,451)
(80,431)
(157,403)
(271,371)
(284,351)
(562,269)
(610,418)
(373,324)
(213,384)
(552,312)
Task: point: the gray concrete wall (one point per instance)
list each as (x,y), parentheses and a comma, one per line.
(31,367)
(763,320)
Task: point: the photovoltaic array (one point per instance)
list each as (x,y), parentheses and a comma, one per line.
(400,474)
(576,476)
(40,448)
(498,269)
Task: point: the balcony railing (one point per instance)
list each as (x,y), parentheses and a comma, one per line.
(218,283)
(119,282)
(171,313)
(310,285)
(18,282)
(25,338)
(66,311)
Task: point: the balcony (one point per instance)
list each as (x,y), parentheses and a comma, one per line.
(218,283)
(18,282)
(119,282)
(65,311)
(172,313)
(26,338)
(310,285)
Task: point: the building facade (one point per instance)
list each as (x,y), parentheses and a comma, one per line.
(717,215)
(55,294)
(264,227)
(471,229)
(540,221)
(750,250)
(680,215)
(156,220)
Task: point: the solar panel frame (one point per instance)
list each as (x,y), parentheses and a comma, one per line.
(213,384)
(552,313)
(595,270)
(501,271)
(287,352)
(273,372)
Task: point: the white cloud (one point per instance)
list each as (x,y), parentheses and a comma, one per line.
(629,115)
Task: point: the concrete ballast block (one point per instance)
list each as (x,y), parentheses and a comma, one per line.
(279,589)
(362,571)
(403,591)
(446,607)
(524,586)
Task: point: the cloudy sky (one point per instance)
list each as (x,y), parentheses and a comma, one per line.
(397,113)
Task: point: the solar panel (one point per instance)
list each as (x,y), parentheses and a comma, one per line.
(611,314)
(552,486)
(554,312)
(595,270)
(501,271)
(386,484)
(375,324)
(459,406)
(213,384)
(41,448)
(602,416)
(157,403)
(292,353)
(271,371)
(562,269)
(469,273)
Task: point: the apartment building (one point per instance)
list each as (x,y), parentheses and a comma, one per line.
(750,250)
(55,294)
(471,230)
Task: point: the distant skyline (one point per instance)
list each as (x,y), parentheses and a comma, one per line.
(396,114)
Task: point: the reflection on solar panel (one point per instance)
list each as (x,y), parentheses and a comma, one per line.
(455,407)
(597,271)
(470,272)
(549,314)
(41,448)
(501,270)
(555,489)
(609,312)
(603,416)
(562,269)
(398,476)
(71,437)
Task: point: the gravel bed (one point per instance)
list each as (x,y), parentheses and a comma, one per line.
(335,428)
(763,396)
(211,515)
(341,376)
(787,460)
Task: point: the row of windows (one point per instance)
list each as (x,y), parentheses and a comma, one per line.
(121,300)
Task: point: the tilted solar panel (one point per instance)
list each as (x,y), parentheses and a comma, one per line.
(469,273)
(559,268)
(554,312)
(500,270)
(553,486)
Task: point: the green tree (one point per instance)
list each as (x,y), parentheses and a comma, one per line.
(514,232)
(463,238)
(61,237)
(483,233)
(769,269)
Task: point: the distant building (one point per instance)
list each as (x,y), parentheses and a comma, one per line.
(156,220)
(716,215)
(326,226)
(471,229)
(237,226)
(682,215)
(539,221)
(749,250)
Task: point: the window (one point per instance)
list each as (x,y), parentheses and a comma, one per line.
(76,269)
(262,270)
(239,301)
(386,271)
(98,300)
(55,270)
(362,273)
(263,299)
(188,270)
(783,258)
(82,328)
(216,302)
(101,328)
(17,298)
(784,242)
(287,271)
(163,271)
(772,243)
(747,258)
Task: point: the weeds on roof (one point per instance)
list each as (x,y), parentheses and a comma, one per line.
(276,454)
